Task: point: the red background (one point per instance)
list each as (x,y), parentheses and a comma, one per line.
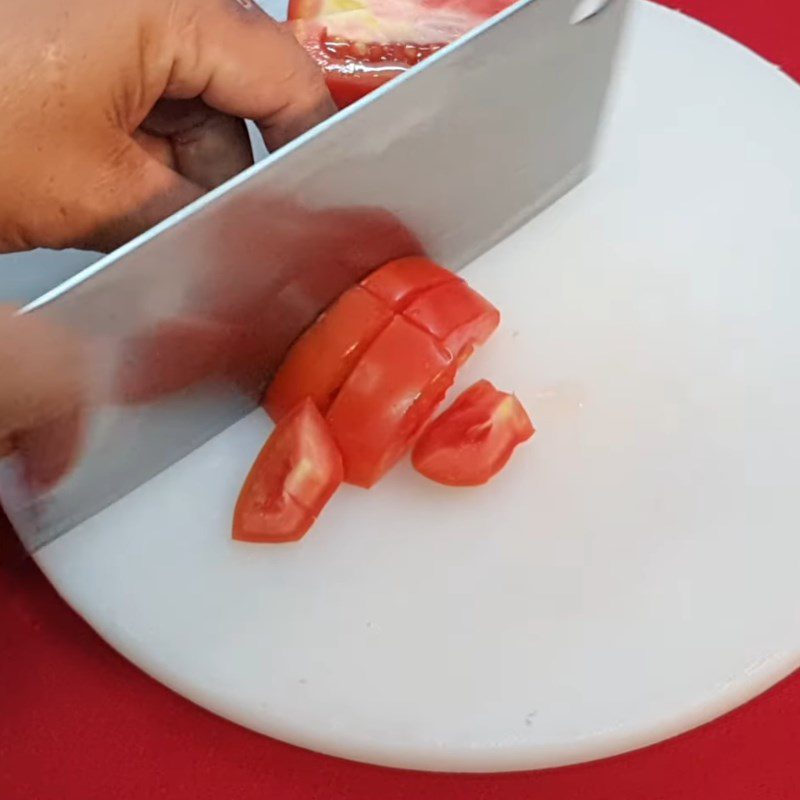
(77,722)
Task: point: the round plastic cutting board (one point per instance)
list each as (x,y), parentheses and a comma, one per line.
(633,573)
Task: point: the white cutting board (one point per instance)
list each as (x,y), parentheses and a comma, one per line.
(633,573)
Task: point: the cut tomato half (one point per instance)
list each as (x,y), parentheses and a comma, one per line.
(295,474)
(400,281)
(470,442)
(362,44)
(459,317)
(322,358)
(390,395)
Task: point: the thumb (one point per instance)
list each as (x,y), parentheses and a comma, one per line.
(42,396)
(241,62)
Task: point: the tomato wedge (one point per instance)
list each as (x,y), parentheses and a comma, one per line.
(459,317)
(399,282)
(322,358)
(470,442)
(362,44)
(295,474)
(390,395)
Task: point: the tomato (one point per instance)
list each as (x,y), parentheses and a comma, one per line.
(471,441)
(362,44)
(293,477)
(389,396)
(322,358)
(459,317)
(399,282)
(348,75)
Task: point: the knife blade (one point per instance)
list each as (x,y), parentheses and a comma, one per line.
(186,322)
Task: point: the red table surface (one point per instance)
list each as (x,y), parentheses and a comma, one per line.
(77,722)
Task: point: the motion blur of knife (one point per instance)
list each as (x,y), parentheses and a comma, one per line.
(185,323)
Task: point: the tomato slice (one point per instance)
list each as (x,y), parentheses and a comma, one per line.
(322,358)
(400,281)
(459,317)
(389,396)
(470,442)
(295,474)
(361,44)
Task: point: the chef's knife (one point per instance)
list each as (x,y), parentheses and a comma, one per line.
(186,321)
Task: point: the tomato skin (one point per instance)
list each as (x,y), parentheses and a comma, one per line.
(459,317)
(398,283)
(346,91)
(321,359)
(389,396)
(472,440)
(293,477)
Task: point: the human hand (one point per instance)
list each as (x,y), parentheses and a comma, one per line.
(114,115)
(43,391)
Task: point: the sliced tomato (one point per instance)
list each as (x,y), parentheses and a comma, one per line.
(322,358)
(471,441)
(295,474)
(459,317)
(400,281)
(362,44)
(389,396)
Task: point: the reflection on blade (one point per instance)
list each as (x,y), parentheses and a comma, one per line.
(191,318)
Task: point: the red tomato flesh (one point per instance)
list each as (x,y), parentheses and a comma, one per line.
(322,358)
(362,44)
(401,281)
(354,69)
(295,474)
(470,442)
(390,395)
(459,317)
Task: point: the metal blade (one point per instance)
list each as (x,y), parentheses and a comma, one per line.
(187,321)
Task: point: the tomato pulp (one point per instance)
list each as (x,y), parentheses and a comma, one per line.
(362,44)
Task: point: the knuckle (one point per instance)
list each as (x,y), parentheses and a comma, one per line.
(185,26)
(309,90)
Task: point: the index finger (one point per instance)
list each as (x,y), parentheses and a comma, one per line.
(243,63)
